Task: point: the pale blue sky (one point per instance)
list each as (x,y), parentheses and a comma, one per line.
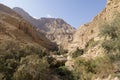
(74,12)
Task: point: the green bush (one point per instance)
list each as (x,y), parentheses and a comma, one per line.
(90,43)
(91,69)
(83,69)
(11,53)
(108,30)
(112,29)
(32,68)
(64,73)
(77,53)
(112,45)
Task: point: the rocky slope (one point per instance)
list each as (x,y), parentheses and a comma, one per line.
(14,27)
(98,45)
(23,50)
(91,29)
(55,29)
(29,18)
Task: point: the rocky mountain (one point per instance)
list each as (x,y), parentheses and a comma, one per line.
(91,30)
(14,27)
(55,29)
(95,52)
(23,50)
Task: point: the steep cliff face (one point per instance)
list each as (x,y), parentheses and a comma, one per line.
(91,29)
(57,30)
(14,27)
(96,46)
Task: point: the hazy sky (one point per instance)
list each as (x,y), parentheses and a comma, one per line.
(74,12)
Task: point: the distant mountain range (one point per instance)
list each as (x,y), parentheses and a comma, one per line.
(16,28)
(55,29)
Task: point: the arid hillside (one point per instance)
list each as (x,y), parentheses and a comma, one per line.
(91,30)
(94,51)
(14,27)
(55,29)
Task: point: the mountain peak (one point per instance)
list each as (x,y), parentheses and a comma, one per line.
(51,20)
(18,8)
(21,11)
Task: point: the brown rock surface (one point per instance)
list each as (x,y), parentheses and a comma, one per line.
(55,29)
(14,27)
(58,30)
(91,29)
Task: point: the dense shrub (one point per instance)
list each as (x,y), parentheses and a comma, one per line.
(77,53)
(64,73)
(83,70)
(11,53)
(89,69)
(112,45)
(32,68)
(108,30)
(90,43)
(112,29)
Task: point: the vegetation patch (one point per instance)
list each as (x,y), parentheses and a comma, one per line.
(112,45)
(78,53)
(91,69)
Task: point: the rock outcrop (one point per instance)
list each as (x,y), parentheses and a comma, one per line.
(57,30)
